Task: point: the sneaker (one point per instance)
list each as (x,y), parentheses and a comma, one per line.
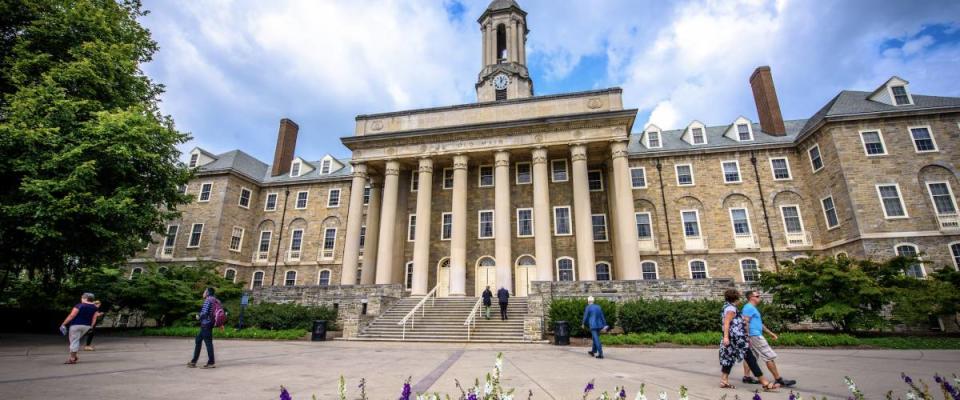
(600,356)
(751,380)
(88,348)
(786,382)
(592,354)
(208,366)
(191,365)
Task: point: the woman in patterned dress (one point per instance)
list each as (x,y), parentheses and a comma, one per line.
(734,346)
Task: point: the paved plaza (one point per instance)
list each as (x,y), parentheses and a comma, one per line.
(153,368)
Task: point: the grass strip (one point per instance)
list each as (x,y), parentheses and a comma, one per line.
(790,339)
(228,333)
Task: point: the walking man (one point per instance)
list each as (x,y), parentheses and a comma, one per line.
(487,301)
(81,318)
(207,316)
(593,320)
(758,344)
(504,296)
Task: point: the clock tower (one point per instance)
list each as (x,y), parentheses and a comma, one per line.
(504,74)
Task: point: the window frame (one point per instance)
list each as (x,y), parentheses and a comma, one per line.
(643,173)
(166,237)
(659,139)
(883,206)
(749,126)
(953,200)
(296,163)
(306,200)
(693,135)
(723,172)
(893,95)
(773,169)
(266,201)
(636,224)
(936,147)
(516,173)
(916,250)
(656,270)
(414,181)
(826,218)
(743,275)
(532,229)
(327,165)
(573,268)
(226,270)
(783,218)
(595,171)
(443,179)
(286,277)
(249,197)
(569,221)
(606,231)
(209,193)
(819,157)
(493,227)
(954,257)
(733,224)
(408,276)
(260,243)
(553,170)
(493,176)
(597,264)
(330,197)
(366,194)
(290,246)
(199,238)
(676,170)
(239,248)
(411,227)
(320,275)
(706,270)
(135,272)
(443,217)
(683,226)
(194,160)
(863,142)
(253,279)
(333,246)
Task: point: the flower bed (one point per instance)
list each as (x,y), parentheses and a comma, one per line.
(793,339)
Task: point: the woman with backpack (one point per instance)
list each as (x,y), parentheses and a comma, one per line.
(211,315)
(734,346)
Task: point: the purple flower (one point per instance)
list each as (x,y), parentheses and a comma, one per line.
(589,387)
(792,396)
(937,378)
(623,393)
(472,396)
(756,396)
(405,395)
(284,394)
(906,378)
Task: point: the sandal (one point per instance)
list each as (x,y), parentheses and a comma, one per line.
(726,385)
(771,387)
(70,361)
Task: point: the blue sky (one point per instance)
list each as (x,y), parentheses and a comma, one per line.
(233,69)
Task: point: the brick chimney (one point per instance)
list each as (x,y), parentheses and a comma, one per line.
(286,144)
(768,108)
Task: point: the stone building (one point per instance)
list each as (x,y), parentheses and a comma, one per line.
(518,188)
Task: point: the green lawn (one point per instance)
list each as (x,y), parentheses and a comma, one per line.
(229,333)
(799,339)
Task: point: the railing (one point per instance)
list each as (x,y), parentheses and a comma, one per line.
(745,241)
(471,321)
(262,255)
(167,252)
(798,239)
(411,316)
(647,244)
(293,255)
(695,242)
(949,222)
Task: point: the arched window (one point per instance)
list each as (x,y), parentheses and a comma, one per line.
(486,262)
(955,252)
(445,263)
(842,255)
(136,272)
(698,269)
(290,278)
(324,278)
(603,271)
(230,274)
(565,269)
(750,270)
(526,261)
(162,270)
(910,250)
(257,281)
(649,269)
(501,44)
(408,276)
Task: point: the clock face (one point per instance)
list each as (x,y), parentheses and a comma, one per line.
(500,81)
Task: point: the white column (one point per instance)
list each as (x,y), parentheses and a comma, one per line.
(522,33)
(483,55)
(583,223)
(514,40)
(351,246)
(543,234)
(421,245)
(458,240)
(502,221)
(385,256)
(624,229)
(491,45)
(367,276)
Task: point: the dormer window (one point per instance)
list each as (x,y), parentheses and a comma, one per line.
(325,167)
(900,96)
(653,139)
(697,136)
(295,169)
(743,132)
(193,159)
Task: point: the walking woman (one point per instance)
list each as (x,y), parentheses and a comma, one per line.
(81,318)
(734,347)
(93,328)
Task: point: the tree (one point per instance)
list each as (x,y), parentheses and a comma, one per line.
(927,299)
(88,165)
(846,293)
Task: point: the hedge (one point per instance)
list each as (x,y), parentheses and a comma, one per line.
(571,310)
(288,316)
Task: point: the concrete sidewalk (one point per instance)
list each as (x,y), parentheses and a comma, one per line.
(154,368)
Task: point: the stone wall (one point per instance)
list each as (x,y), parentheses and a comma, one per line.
(348,300)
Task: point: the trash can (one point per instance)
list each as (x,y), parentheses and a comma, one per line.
(319,331)
(561,333)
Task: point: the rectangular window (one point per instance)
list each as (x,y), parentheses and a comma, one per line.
(731,171)
(815,161)
(559,170)
(781,169)
(523,173)
(691,223)
(170,240)
(325,167)
(561,221)
(524,222)
(599,222)
(271,203)
(412,227)
(698,136)
(333,198)
(922,139)
(485,224)
(296,244)
(684,174)
(363,238)
(205,191)
(914,270)
(942,196)
(236,238)
(193,159)
(414,180)
(329,243)
(743,132)
(302,200)
(263,249)
(295,169)
(653,139)
(698,269)
(873,143)
(195,233)
(791,219)
(649,270)
(448,178)
(644,228)
(446,226)
(595,180)
(638,178)
(182,189)
(244,198)
(900,96)
(892,203)
(366,195)
(741,223)
(486,176)
(830,212)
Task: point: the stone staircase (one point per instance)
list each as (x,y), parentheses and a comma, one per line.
(443,322)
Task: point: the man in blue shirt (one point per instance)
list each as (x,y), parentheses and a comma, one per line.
(758,344)
(593,320)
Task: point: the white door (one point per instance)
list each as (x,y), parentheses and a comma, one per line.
(526,271)
(486,276)
(443,278)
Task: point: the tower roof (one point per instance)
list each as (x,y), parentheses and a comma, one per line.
(502,5)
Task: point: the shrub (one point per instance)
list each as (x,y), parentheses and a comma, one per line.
(228,333)
(287,316)
(571,310)
(670,316)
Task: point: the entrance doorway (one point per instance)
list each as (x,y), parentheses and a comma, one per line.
(526,271)
(486,275)
(443,278)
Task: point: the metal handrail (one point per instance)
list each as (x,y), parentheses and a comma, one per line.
(471,321)
(410,315)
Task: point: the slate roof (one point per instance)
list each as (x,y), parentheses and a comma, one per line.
(502,5)
(671,139)
(852,103)
(259,171)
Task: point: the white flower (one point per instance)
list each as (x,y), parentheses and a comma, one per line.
(487,388)
(506,397)
(640,396)
(663,396)
(910,396)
